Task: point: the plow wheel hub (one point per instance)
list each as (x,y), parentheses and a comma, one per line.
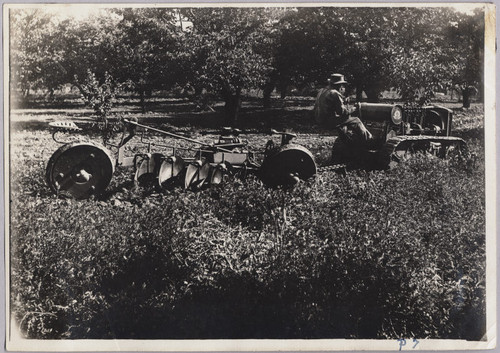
(287,165)
(79,170)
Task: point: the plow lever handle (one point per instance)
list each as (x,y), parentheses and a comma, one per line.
(174,135)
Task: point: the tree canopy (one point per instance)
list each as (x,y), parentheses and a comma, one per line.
(226,50)
(408,49)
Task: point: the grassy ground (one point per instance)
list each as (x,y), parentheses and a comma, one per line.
(390,254)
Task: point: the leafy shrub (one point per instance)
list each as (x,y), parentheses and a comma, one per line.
(98,96)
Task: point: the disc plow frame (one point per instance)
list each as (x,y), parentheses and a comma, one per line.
(82,169)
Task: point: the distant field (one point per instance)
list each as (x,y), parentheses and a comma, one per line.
(383,254)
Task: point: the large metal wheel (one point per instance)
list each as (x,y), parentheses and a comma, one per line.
(286,165)
(80,170)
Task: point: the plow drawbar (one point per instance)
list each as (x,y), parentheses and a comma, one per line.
(83,169)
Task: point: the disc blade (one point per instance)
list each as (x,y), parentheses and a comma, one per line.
(204,172)
(196,174)
(217,175)
(191,174)
(169,170)
(147,173)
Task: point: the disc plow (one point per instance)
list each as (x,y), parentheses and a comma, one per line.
(82,169)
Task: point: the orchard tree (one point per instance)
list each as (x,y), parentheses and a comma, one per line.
(48,52)
(316,42)
(91,45)
(466,38)
(372,38)
(30,31)
(309,46)
(419,54)
(136,46)
(146,48)
(434,48)
(411,49)
(226,51)
(79,46)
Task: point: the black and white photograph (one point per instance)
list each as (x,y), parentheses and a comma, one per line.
(235,177)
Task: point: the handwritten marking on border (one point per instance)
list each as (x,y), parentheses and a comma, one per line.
(402,343)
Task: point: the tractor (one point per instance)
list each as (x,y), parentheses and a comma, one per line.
(84,169)
(399,131)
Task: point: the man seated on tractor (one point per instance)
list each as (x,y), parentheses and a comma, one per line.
(330,110)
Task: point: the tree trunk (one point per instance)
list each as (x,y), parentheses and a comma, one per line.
(267,95)
(143,100)
(372,95)
(232,106)
(80,89)
(51,94)
(359,93)
(466,97)
(198,90)
(283,88)
(480,93)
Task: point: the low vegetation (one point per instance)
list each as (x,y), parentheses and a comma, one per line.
(382,254)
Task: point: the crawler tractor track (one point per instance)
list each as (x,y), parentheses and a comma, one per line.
(399,147)
(332,168)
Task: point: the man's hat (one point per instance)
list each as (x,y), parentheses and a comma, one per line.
(337,79)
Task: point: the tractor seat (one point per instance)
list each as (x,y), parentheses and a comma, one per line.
(67,126)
